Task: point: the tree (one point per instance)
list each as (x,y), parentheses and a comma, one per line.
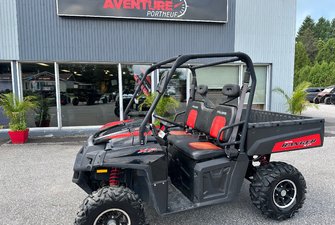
(297,101)
(301,60)
(333,28)
(318,41)
(327,52)
(307,24)
(323,29)
(310,42)
(320,74)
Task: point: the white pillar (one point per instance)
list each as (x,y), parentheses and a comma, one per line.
(58,100)
(120,91)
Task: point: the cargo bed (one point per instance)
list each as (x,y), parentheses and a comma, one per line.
(270,132)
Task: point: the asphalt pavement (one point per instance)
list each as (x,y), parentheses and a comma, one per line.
(36,188)
(326,112)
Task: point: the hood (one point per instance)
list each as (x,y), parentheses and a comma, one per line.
(120,133)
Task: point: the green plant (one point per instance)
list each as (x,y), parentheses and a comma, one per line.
(297,101)
(16,110)
(164,107)
(42,111)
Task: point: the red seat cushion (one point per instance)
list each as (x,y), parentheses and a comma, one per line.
(178,132)
(203,146)
(192,117)
(218,123)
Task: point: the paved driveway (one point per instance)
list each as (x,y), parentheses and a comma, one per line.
(324,111)
(36,188)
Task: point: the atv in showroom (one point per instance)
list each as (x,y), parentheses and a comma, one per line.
(201,161)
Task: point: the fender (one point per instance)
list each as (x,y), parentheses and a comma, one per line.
(149,163)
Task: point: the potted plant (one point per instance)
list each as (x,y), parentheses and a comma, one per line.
(165,106)
(42,117)
(16,110)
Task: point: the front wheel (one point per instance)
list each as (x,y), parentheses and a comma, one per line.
(111,205)
(327,100)
(278,190)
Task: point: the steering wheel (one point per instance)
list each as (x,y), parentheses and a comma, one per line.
(165,121)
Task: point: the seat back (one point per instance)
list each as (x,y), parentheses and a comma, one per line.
(198,112)
(221,116)
(192,112)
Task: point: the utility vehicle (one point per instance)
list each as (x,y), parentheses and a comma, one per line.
(202,161)
(312,92)
(90,96)
(325,95)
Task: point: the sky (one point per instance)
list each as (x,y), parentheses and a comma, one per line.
(316,9)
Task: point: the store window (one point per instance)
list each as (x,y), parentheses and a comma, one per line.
(131,77)
(38,79)
(215,78)
(5,87)
(88,94)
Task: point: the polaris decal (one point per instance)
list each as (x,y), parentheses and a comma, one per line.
(185,10)
(222,113)
(298,143)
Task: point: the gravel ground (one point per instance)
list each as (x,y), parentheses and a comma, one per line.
(36,188)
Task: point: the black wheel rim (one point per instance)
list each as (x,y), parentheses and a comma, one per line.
(113,217)
(284,194)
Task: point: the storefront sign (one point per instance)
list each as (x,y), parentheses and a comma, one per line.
(178,10)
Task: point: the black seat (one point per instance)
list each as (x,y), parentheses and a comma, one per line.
(194,127)
(192,118)
(198,150)
(209,122)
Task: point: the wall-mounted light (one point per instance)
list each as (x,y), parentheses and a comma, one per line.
(66,71)
(42,64)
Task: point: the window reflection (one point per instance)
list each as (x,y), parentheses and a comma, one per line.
(176,89)
(5,87)
(38,79)
(215,78)
(131,77)
(88,93)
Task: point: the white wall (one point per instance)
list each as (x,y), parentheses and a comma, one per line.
(9,43)
(265,29)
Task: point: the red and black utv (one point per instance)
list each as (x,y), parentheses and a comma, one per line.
(201,161)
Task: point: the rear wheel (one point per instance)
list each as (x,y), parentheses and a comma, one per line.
(316,100)
(278,190)
(75,101)
(327,100)
(109,206)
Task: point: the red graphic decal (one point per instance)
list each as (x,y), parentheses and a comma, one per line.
(127,134)
(147,150)
(177,5)
(298,143)
(153,8)
(115,123)
(140,4)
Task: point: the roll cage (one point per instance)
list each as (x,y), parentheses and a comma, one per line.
(180,62)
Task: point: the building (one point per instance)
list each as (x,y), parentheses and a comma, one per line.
(97,49)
